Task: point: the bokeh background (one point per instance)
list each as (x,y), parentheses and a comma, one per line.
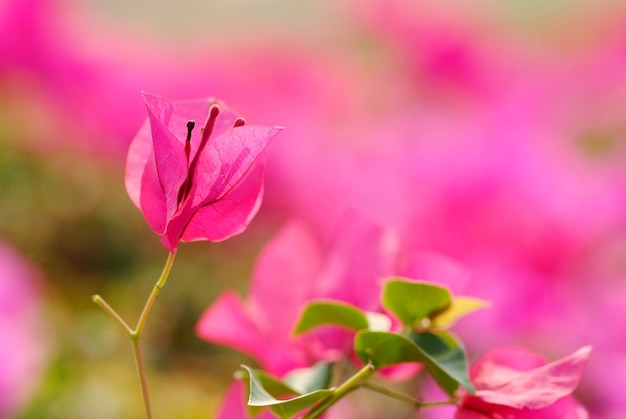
(492,132)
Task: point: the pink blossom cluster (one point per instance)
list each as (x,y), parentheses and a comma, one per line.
(207,187)
(293,270)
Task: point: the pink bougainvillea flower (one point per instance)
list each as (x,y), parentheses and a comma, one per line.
(351,268)
(262,326)
(294,269)
(517,384)
(196,183)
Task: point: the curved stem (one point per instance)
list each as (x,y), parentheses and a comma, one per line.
(141,372)
(106,307)
(154,294)
(404,397)
(435,404)
(351,384)
(393,393)
(135,335)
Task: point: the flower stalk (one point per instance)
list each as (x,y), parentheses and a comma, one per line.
(387,391)
(348,386)
(136,333)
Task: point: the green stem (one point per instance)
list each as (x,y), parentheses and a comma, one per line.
(154,294)
(141,372)
(135,335)
(349,385)
(435,404)
(393,393)
(405,398)
(106,307)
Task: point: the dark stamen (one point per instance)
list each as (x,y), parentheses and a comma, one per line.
(190,126)
(239,122)
(206,131)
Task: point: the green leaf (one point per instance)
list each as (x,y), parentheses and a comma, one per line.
(385,348)
(319,313)
(461,306)
(447,362)
(307,380)
(440,353)
(264,391)
(413,301)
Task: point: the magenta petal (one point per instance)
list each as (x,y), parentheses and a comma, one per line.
(437,268)
(464,413)
(169,151)
(230,323)
(234,404)
(139,152)
(226,159)
(226,217)
(565,408)
(156,167)
(142,180)
(487,372)
(152,200)
(226,322)
(535,388)
(292,258)
(360,256)
(185,111)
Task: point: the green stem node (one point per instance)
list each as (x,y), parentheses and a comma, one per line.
(135,335)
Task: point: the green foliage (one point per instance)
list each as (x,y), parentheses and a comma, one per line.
(306,380)
(460,307)
(440,353)
(383,349)
(413,301)
(319,313)
(266,391)
(424,309)
(445,359)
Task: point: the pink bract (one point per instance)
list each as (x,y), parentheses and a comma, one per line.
(292,270)
(195,170)
(515,383)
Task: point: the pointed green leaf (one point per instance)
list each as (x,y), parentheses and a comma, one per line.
(447,362)
(440,353)
(307,380)
(460,307)
(264,391)
(413,301)
(326,312)
(385,348)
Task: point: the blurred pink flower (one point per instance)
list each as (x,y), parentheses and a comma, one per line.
(22,338)
(444,56)
(293,269)
(196,184)
(515,383)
